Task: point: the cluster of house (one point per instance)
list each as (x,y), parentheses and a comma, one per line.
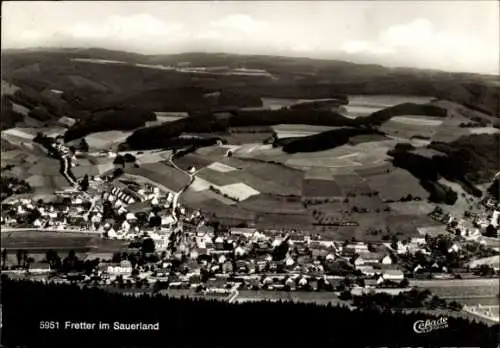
(64,210)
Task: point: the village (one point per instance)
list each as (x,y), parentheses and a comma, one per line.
(176,249)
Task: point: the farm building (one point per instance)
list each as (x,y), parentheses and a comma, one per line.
(121,192)
(393,274)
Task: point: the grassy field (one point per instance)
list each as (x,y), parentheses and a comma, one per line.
(266,203)
(320,188)
(161,173)
(408,208)
(418,120)
(364,105)
(106,140)
(352,184)
(407,130)
(36,240)
(263,177)
(192,159)
(468,292)
(296,296)
(396,184)
(284,131)
(287,221)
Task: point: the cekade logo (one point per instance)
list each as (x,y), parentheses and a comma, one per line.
(424,326)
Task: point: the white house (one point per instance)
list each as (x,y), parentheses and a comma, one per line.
(112,233)
(454,248)
(418,240)
(303,281)
(387,260)
(495,219)
(393,274)
(239,251)
(366,270)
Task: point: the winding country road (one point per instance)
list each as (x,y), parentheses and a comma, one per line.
(192,177)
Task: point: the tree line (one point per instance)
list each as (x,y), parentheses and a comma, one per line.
(208,323)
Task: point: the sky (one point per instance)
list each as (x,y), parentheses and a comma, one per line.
(449,35)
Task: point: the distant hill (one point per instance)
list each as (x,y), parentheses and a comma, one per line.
(109,90)
(293,77)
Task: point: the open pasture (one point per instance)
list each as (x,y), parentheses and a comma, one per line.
(366,138)
(318,173)
(484,130)
(345,156)
(162,174)
(199,185)
(365,105)
(408,225)
(406,130)
(248,135)
(20,109)
(214,208)
(414,207)
(352,184)
(249,150)
(263,177)
(239,191)
(196,199)
(190,160)
(385,101)
(8,88)
(396,184)
(243,138)
(284,131)
(266,203)
(448,133)
(375,168)
(418,120)
(463,203)
(106,140)
(217,178)
(278,103)
(37,240)
(319,298)
(320,188)
(284,221)
(212,153)
(221,167)
(372,204)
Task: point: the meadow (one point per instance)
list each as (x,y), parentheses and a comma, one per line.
(365,105)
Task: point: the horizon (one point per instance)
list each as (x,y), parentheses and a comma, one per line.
(435,70)
(461,37)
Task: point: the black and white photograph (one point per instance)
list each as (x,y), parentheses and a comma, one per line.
(250,174)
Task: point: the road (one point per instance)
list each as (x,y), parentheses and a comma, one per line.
(76,231)
(424,283)
(192,177)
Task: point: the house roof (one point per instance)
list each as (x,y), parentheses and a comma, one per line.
(393,272)
(101,256)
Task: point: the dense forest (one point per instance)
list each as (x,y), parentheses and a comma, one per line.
(379,117)
(209,323)
(125,118)
(9,116)
(466,162)
(325,140)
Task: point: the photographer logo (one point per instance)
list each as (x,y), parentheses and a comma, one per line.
(425,326)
